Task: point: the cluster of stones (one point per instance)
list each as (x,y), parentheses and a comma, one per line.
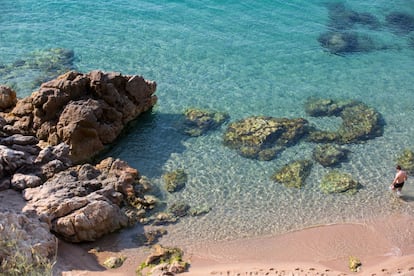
(175,181)
(261,137)
(343,37)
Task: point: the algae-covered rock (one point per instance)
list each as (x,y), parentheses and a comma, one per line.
(359,122)
(179,209)
(114,262)
(329,154)
(345,42)
(293,174)
(163,261)
(175,180)
(338,182)
(199,121)
(406,161)
(354,264)
(261,137)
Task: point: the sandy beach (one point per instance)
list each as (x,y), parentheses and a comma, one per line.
(384,246)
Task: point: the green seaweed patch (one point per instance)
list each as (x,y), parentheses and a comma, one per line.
(262,137)
(294,174)
(175,180)
(338,182)
(199,121)
(406,161)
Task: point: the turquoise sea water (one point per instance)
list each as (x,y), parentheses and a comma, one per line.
(245,58)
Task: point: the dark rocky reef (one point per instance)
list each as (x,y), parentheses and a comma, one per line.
(261,137)
(359,122)
(343,42)
(342,17)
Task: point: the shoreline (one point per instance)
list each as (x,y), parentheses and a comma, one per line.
(319,250)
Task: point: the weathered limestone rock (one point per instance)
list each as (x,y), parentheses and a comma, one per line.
(86,111)
(85,202)
(261,137)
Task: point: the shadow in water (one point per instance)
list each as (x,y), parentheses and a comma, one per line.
(148,142)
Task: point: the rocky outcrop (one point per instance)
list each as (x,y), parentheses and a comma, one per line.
(85,111)
(329,154)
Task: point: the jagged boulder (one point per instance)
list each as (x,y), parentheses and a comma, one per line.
(85,202)
(86,111)
(261,137)
(293,174)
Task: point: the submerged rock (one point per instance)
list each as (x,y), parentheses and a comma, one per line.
(359,122)
(199,121)
(400,22)
(343,42)
(175,180)
(406,161)
(261,137)
(37,67)
(293,174)
(342,18)
(338,182)
(329,154)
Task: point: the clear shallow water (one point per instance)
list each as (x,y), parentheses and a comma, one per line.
(250,58)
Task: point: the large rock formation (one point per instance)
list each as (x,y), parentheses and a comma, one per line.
(86,111)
